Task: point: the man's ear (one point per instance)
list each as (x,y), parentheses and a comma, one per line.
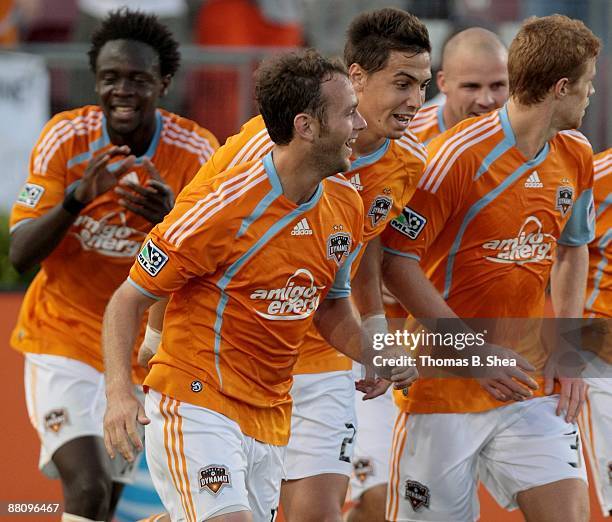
(165,84)
(561,88)
(441,81)
(358,77)
(305,126)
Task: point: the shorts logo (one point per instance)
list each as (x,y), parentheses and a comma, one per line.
(417,494)
(409,223)
(214,478)
(564,200)
(196,386)
(363,468)
(298,299)
(338,245)
(55,419)
(151,258)
(30,195)
(380,209)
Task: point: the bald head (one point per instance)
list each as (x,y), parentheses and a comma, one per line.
(472,41)
(474,74)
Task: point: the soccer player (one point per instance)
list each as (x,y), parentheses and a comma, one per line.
(473,78)
(100,177)
(596,420)
(501,194)
(387,52)
(244,291)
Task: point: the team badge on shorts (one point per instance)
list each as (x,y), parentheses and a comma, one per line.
(30,195)
(409,223)
(152,258)
(379,209)
(338,245)
(363,468)
(417,494)
(213,479)
(564,200)
(55,419)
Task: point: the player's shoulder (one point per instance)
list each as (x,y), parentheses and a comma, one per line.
(602,165)
(409,149)
(81,118)
(187,134)
(575,141)
(340,188)
(603,158)
(424,117)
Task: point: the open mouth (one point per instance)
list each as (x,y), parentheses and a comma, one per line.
(123,112)
(403,118)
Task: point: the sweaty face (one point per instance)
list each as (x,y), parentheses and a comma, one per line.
(333,146)
(389,98)
(575,104)
(129,83)
(474,84)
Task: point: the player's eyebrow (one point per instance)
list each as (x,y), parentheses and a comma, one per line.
(411,77)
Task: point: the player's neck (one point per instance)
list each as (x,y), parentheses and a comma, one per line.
(532,126)
(367,142)
(138,141)
(298,177)
(449,119)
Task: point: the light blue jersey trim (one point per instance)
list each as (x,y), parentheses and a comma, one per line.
(371,158)
(233,269)
(94,147)
(18,224)
(142,290)
(501,148)
(580,227)
(603,243)
(440,113)
(402,254)
(341,287)
(604,205)
(482,203)
(267,200)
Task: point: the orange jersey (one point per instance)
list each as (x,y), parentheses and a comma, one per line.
(598,301)
(428,123)
(484,221)
(385,180)
(245,288)
(63,307)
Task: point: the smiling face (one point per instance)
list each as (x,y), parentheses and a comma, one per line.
(129,84)
(332,148)
(474,83)
(389,98)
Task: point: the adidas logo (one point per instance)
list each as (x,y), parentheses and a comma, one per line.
(302,228)
(533,181)
(356,182)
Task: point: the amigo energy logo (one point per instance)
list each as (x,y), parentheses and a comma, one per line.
(298,299)
(109,235)
(531,245)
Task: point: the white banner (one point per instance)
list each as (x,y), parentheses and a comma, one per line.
(24,110)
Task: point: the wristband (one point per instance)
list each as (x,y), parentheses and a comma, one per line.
(152,338)
(71,204)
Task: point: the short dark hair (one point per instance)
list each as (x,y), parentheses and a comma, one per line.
(289,84)
(124,24)
(372,36)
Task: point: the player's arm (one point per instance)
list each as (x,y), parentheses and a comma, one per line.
(121,324)
(34,239)
(568,284)
(152,337)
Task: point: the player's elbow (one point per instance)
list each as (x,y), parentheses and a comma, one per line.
(18,257)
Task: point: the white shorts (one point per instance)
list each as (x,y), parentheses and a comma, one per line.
(437,459)
(323,425)
(373,449)
(66,400)
(596,428)
(202,465)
